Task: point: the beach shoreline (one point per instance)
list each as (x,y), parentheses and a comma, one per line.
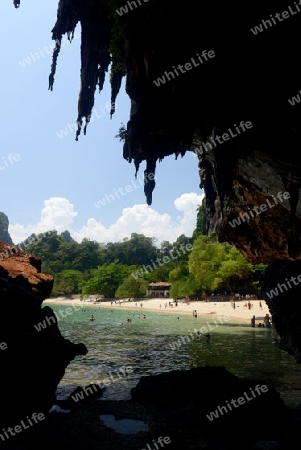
(241,312)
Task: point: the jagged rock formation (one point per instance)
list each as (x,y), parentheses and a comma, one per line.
(281,289)
(176,405)
(4,234)
(252,78)
(33,362)
(152,40)
(149,40)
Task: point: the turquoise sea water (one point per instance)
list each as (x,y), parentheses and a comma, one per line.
(145,347)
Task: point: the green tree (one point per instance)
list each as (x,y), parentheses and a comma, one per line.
(175,275)
(233,269)
(187,287)
(183,284)
(165,248)
(122,132)
(204,261)
(132,288)
(181,249)
(107,278)
(68,282)
(214,264)
(137,250)
(86,255)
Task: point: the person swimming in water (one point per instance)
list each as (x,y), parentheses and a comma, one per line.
(92,318)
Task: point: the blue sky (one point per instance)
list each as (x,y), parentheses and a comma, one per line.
(49,180)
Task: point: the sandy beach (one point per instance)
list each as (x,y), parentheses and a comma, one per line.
(241,311)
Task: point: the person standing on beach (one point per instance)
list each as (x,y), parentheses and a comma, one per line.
(253,321)
(266,321)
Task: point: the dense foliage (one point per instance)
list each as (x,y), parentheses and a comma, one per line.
(218,265)
(194,266)
(90,267)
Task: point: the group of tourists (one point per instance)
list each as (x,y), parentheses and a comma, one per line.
(266,322)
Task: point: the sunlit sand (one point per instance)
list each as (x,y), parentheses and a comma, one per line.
(211,308)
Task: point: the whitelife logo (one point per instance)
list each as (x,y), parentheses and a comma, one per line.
(124,9)
(188,66)
(161,440)
(128,188)
(262,208)
(12,431)
(51,320)
(15,249)
(203,330)
(242,127)
(9,160)
(47,50)
(147,268)
(292,101)
(265,24)
(125,371)
(240,400)
(274,292)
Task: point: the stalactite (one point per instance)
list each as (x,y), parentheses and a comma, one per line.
(68,16)
(103,37)
(149,181)
(116,80)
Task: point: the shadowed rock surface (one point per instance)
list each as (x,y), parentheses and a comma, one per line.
(176,404)
(281,289)
(34,361)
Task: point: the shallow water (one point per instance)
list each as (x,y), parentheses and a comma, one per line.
(124,426)
(122,352)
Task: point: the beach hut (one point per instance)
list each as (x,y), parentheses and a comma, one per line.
(159,289)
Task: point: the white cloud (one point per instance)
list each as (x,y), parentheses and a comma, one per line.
(58,213)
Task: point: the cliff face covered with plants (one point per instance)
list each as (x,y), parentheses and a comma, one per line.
(220,80)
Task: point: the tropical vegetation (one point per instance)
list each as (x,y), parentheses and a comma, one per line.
(195,267)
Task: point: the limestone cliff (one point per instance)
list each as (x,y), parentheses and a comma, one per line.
(4,234)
